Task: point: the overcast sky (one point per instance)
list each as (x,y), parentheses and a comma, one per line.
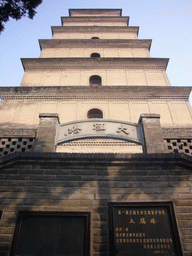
(167,22)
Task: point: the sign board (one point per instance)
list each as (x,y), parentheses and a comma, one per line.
(91,128)
(147,229)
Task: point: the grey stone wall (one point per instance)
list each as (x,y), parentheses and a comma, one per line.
(87,182)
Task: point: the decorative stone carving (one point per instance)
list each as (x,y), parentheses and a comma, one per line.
(99,128)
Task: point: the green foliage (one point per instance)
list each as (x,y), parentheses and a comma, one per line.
(17,9)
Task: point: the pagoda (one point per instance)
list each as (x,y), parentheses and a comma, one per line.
(95,147)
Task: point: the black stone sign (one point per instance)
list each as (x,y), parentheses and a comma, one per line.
(143,229)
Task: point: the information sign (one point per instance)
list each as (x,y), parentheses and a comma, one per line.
(143,229)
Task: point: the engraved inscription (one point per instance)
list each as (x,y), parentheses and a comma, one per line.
(99,127)
(122,129)
(142,231)
(74,130)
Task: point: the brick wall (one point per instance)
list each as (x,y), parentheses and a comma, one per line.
(86,183)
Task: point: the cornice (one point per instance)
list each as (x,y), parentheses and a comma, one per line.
(97,63)
(122,93)
(172,132)
(99,19)
(99,159)
(94,29)
(17,132)
(100,43)
(95,12)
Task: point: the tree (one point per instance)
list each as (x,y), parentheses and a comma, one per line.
(17,9)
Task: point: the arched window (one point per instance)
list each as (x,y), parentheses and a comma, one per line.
(95,55)
(95,80)
(95,37)
(95,113)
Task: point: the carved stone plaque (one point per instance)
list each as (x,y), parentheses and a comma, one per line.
(97,128)
(147,229)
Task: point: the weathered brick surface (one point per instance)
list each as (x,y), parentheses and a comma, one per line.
(152,133)
(182,132)
(46,133)
(62,182)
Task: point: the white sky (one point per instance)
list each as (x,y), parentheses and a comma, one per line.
(167,22)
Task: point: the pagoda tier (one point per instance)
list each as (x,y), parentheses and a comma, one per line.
(22,105)
(110,71)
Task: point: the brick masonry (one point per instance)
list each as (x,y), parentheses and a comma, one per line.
(87,182)
(45,140)
(12,96)
(152,133)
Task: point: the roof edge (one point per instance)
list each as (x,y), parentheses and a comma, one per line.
(111,158)
(91,11)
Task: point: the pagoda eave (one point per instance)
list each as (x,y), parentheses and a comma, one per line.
(94,29)
(94,63)
(104,43)
(102,92)
(95,19)
(95,12)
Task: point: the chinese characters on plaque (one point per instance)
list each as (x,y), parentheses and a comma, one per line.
(73,130)
(98,127)
(142,230)
(122,129)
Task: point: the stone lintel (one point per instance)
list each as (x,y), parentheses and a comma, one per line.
(100,63)
(152,133)
(103,43)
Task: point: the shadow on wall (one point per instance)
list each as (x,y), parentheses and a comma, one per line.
(85,183)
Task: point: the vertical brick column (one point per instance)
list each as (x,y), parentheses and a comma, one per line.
(152,133)
(45,140)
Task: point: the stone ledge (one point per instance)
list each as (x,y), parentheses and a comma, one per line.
(94,93)
(100,12)
(92,29)
(148,116)
(97,63)
(130,91)
(50,115)
(106,43)
(177,132)
(18,132)
(100,19)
